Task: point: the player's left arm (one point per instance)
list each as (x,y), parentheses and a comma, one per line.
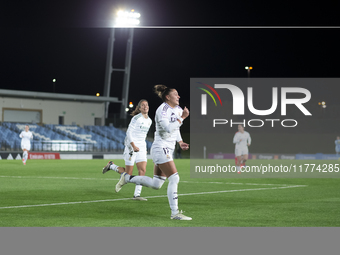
(184,146)
(249,140)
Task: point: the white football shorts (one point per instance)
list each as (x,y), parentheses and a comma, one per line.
(26,146)
(161,155)
(132,157)
(241,151)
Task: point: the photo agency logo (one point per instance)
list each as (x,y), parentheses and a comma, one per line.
(238,104)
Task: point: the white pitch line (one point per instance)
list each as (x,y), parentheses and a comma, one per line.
(56,177)
(113,179)
(241,183)
(120,199)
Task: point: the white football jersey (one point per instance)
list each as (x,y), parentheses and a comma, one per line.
(137,131)
(26,136)
(167,127)
(241,139)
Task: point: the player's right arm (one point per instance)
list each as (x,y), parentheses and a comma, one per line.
(236,138)
(129,133)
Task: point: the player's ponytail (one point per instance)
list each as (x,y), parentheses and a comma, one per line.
(137,110)
(162,91)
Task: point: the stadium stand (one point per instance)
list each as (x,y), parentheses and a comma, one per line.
(90,138)
(112,133)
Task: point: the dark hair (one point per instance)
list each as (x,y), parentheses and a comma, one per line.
(136,110)
(162,91)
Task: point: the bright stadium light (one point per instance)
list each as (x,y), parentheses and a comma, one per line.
(248,68)
(323,102)
(127,19)
(54,81)
(130,104)
(127,109)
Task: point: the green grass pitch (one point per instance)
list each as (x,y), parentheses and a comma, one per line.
(75,193)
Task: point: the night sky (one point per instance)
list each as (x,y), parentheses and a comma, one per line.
(68,42)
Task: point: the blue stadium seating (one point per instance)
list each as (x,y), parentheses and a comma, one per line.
(98,138)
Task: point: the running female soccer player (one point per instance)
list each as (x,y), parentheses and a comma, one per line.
(135,145)
(169,117)
(25,143)
(242,140)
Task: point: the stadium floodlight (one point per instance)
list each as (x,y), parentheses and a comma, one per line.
(97,94)
(130,104)
(248,68)
(126,109)
(127,19)
(324,106)
(323,103)
(54,81)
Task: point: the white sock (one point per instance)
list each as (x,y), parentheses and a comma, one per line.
(156,182)
(114,167)
(172,193)
(25,156)
(238,168)
(138,190)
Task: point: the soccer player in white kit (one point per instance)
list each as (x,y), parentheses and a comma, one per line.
(135,145)
(337,145)
(242,140)
(25,143)
(169,117)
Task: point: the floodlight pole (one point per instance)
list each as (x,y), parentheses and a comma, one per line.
(126,82)
(108,71)
(126,70)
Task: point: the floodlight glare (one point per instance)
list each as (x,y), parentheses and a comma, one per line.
(127,19)
(324,106)
(246,68)
(126,109)
(323,103)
